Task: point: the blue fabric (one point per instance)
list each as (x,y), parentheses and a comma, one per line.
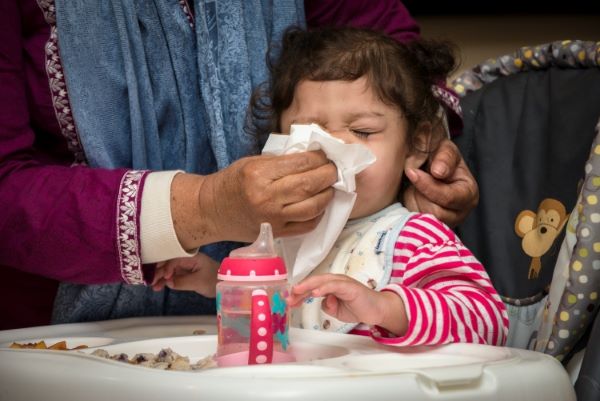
(149,91)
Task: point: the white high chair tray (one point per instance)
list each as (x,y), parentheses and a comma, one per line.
(329,366)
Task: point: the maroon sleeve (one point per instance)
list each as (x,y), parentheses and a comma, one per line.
(68,223)
(389,16)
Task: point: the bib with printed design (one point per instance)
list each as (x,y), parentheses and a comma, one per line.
(364,252)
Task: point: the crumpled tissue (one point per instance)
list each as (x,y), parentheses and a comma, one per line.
(303,253)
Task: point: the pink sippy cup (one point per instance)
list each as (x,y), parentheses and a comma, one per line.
(252,314)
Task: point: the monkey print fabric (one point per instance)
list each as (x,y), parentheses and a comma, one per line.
(539,230)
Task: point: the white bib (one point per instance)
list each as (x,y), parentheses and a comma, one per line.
(363,251)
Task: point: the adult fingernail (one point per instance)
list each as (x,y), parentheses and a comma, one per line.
(439,170)
(412,174)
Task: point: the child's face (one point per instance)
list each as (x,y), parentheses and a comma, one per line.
(351,111)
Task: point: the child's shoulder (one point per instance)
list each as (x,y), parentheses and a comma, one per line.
(429,226)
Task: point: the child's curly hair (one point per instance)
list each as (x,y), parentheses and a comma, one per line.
(400,74)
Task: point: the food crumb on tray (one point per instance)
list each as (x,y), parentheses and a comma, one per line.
(59,346)
(166,359)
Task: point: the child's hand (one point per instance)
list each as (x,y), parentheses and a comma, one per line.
(197,273)
(350,301)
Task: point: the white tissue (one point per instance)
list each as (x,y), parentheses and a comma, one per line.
(304,253)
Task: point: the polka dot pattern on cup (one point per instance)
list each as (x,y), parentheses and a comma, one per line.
(261,332)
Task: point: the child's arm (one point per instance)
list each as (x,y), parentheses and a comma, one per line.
(351,301)
(447,294)
(439,293)
(197,273)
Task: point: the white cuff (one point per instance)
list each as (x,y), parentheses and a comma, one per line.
(157,235)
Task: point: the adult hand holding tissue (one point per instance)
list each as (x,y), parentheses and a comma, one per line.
(303,253)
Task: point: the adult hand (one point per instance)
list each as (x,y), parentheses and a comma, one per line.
(449,191)
(291,192)
(197,273)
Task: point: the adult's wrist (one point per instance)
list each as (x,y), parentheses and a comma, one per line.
(192,210)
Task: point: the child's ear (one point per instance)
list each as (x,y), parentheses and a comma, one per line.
(420,149)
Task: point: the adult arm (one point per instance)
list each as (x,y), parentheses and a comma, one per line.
(82,225)
(447,295)
(56,221)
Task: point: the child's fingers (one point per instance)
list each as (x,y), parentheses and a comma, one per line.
(159,275)
(320,286)
(190,282)
(158,285)
(313,282)
(342,288)
(301,292)
(294,300)
(304,289)
(170,268)
(163,270)
(183,282)
(330,305)
(167,269)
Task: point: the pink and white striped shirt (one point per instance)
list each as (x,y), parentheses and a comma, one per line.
(446,291)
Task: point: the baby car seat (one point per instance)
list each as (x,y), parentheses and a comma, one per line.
(530,119)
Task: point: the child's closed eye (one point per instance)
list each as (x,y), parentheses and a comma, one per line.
(361,133)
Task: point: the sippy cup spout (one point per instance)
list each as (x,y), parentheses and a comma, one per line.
(257,261)
(263,247)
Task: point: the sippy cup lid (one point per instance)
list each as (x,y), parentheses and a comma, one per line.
(255,262)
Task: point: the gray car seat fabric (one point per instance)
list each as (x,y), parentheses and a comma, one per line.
(572,301)
(529,122)
(587,386)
